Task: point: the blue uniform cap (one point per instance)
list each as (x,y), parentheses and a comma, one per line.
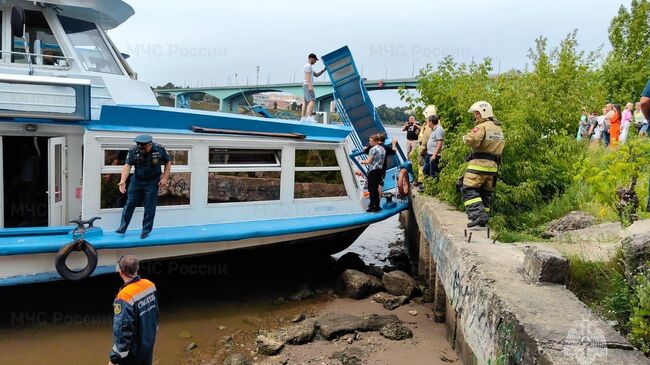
(143,139)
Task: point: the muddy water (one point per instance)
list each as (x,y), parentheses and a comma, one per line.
(205,298)
(70,323)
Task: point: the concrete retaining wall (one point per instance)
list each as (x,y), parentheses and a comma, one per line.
(495,314)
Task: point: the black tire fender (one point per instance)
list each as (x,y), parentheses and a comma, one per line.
(61,257)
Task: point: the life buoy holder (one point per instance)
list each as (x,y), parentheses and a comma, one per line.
(65,251)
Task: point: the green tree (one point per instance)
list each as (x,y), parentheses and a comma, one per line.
(627,67)
(169,85)
(539,110)
(396,115)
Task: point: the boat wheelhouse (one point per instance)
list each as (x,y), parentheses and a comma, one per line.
(70,106)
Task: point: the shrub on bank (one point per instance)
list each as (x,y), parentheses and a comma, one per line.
(605,289)
(538,109)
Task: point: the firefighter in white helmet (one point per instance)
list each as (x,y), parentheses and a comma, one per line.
(487,142)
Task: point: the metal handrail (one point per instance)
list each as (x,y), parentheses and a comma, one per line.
(37,55)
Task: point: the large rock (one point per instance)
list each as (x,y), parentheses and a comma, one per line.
(237,359)
(350,261)
(399,259)
(357,285)
(600,233)
(636,253)
(573,221)
(374,322)
(545,264)
(390,301)
(375,271)
(335,325)
(300,333)
(399,283)
(269,346)
(396,331)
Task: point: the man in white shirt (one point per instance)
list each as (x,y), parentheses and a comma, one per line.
(308,88)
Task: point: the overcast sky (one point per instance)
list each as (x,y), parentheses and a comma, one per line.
(199,42)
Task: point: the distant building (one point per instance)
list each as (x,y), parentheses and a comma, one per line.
(269,100)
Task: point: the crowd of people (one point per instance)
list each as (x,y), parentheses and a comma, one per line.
(486,141)
(612,126)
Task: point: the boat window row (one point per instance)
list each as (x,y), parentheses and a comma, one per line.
(234,176)
(43,46)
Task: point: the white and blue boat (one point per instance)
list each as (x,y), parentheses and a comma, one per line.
(70,106)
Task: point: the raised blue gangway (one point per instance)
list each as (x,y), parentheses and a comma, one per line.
(356,110)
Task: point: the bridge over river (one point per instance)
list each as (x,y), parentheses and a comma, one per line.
(230,97)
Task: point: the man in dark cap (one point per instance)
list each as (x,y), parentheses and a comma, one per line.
(308,88)
(147,158)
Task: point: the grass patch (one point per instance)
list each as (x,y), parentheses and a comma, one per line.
(604,287)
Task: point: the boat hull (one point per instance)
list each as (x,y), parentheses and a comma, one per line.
(37,268)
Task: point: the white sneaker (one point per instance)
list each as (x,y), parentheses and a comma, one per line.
(311,119)
(303,119)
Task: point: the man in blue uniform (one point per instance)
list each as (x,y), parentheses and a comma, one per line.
(147,158)
(645,108)
(135,317)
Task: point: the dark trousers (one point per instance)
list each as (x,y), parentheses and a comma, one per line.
(147,192)
(606,138)
(374,179)
(431,168)
(477,194)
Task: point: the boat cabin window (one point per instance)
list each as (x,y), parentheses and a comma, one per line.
(39,42)
(1,53)
(234,157)
(91,48)
(176,193)
(318,175)
(240,175)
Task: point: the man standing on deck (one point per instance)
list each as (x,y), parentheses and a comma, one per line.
(645,109)
(147,158)
(487,142)
(135,317)
(308,88)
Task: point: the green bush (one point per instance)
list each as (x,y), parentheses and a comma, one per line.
(604,288)
(617,305)
(539,110)
(604,171)
(640,317)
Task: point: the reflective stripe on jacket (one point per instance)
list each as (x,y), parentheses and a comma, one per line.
(135,321)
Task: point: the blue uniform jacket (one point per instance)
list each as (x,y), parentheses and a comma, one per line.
(135,322)
(148,165)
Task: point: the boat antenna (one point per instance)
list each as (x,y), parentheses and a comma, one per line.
(244,95)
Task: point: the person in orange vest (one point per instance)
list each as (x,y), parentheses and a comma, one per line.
(135,317)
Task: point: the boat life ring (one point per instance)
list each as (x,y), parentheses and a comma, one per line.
(61,257)
(403,183)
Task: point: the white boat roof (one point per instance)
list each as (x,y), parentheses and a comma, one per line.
(106,13)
